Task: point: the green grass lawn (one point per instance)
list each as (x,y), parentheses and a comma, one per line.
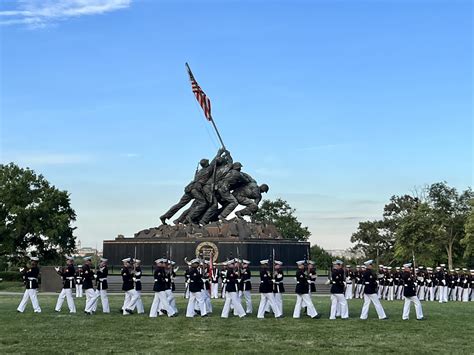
(448,329)
(12,286)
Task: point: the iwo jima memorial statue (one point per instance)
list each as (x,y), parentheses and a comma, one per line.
(203,229)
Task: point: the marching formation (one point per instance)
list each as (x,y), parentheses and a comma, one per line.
(432,284)
(202,285)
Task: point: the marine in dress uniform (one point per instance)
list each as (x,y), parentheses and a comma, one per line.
(79,281)
(409,292)
(231,293)
(88,287)
(338,300)
(452,281)
(160,301)
(30,277)
(466,281)
(360,282)
(398,282)
(441,276)
(459,284)
(223,275)
(170,276)
(102,286)
(195,287)
(266,292)
(137,282)
(68,275)
(186,281)
(350,278)
(370,293)
(278,285)
(390,284)
(206,285)
(430,290)
(215,282)
(302,296)
(246,286)
(131,296)
(380,279)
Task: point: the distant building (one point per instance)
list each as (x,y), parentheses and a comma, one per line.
(88,251)
(345,253)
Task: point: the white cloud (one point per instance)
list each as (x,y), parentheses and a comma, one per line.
(130,155)
(40,13)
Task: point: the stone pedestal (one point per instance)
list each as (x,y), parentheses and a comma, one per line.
(50,280)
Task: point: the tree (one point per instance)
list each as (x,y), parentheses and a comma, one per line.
(450,210)
(414,236)
(35,217)
(321,257)
(372,239)
(468,240)
(280,214)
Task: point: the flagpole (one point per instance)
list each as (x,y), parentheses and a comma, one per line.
(210,117)
(218,134)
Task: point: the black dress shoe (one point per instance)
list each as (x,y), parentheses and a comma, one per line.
(317,316)
(129,311)
(386,318)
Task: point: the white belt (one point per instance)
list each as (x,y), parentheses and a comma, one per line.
(32,278)
(102,280)
(70,278)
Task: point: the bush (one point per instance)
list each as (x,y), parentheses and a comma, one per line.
(10,275)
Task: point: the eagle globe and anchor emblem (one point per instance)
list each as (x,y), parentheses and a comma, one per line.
(206,249)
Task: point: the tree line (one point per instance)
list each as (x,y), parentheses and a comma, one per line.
(431,226)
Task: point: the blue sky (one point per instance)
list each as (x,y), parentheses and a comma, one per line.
(337,105)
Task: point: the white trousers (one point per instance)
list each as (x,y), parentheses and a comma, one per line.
(31,294)
(195,297)
(422,293)
(91,299)
(443,294)
(207,300)
(378,306)
(390,293)
(248,302)
(465,295)
(171,300)
(214,290)
(268,298)
(279,301)
(130,300)
(430,294)
(66,293)
(380,292)
(348,293)
(304,300)
(359,291)
(79,291)
(338,300)
(406,307)
(139,304)
(459,293)
(104,298)
(232,298)
(400,292)
(160,301)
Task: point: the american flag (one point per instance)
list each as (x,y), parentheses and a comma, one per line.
(200,95)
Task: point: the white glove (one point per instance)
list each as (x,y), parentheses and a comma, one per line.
(327,282)
(56,268)
(134,279)
(22,269)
